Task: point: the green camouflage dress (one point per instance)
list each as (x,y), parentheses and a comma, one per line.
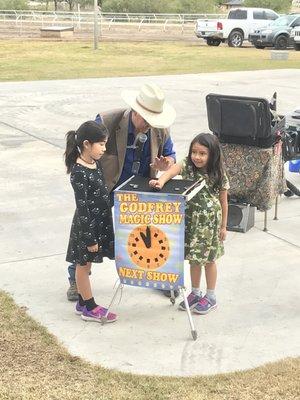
(203,216)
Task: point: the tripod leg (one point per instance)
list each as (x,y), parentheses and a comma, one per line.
(172,298)
(193,330)
(104,318)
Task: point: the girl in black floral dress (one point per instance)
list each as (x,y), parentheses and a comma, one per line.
(91,236)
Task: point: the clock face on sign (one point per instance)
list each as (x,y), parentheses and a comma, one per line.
(148,247)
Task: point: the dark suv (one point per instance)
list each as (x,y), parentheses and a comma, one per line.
(277,34)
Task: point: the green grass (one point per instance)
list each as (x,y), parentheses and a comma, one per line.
(34,60)
(34,366)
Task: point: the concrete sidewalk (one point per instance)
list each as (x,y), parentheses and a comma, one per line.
(258,315)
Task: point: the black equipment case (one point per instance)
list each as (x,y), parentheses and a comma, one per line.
(291,143)
(242,120)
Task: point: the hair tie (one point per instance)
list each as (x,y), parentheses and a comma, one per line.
(77,147)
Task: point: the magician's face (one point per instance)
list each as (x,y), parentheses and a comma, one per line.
(140,125)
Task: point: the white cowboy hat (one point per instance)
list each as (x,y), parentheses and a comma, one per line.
(150,103)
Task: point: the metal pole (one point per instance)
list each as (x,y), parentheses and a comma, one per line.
(104,318)
(276,209)
(193,330)
(95,24)
(78,18)
(265,222)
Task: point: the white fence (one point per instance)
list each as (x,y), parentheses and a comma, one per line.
(118,26)
(77,18)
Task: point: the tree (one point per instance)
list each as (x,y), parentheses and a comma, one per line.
(82,3)
(71,4)
(276,5)
(13,5)
(197,7)
(159,6)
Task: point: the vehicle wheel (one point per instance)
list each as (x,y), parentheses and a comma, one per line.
(297,46)
(213,42)
(235,39)
(216,42)
(281,42)
(257,46)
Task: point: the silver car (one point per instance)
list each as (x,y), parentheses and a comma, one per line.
(277,34)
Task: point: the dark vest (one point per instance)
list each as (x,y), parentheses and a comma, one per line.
(112,161)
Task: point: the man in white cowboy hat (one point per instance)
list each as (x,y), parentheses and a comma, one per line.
(148,114)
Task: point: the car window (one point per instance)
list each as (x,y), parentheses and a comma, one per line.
(258,15)
(237,14)
(296,23)
(283,21)
(271,16)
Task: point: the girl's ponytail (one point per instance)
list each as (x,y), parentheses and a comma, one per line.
(90,131)
(72,150)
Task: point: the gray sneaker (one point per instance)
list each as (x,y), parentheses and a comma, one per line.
(192,302)
(205,305)
(72,293)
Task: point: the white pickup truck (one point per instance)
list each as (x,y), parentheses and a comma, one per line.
(236,27)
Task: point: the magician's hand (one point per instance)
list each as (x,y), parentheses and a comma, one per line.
(162,163)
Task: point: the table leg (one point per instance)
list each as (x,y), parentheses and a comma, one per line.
(276,209)
(265,221)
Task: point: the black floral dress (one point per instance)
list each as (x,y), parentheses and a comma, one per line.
(92,221)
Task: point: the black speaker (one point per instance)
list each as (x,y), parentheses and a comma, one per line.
(240,217)
(242,120)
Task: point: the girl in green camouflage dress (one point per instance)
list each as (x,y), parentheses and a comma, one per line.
(206,216)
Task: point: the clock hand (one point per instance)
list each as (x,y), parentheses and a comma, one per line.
(143,236)
(146,238)
(148,235)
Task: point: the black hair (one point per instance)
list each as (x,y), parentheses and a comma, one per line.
(215,164)
(92,131)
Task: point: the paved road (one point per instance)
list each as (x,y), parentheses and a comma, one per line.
(258,316)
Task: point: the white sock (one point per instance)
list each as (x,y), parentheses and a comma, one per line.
(210,293)
(196,291)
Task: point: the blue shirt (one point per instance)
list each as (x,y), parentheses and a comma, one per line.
(145,158)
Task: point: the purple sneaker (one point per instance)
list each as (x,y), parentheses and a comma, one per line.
(96,315)
(205,305)
(78,308)
(192,300)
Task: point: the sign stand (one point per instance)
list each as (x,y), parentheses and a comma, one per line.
(149,236)
(172,299)
(193,330)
